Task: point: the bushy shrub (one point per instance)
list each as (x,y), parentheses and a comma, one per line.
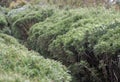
(42,34)
(91,46)
(19,64)
(106,50)
(109,43)
(73,39)
(22,21)
(15,14)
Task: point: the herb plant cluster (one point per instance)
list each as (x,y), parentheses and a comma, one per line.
(85,40)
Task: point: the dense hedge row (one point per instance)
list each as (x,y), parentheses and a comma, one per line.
(17,64)
(41,35)
(86,40)
(76,39)
(23,18)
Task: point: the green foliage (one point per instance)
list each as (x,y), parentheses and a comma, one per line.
(15,14)
(77,37)
(19,64)
(4,10)
(79,34)
(42,34)
(3,22)
(22,21)
(109,42)
(12,77)
(86,40)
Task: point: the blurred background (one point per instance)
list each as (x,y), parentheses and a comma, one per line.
(63,3)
